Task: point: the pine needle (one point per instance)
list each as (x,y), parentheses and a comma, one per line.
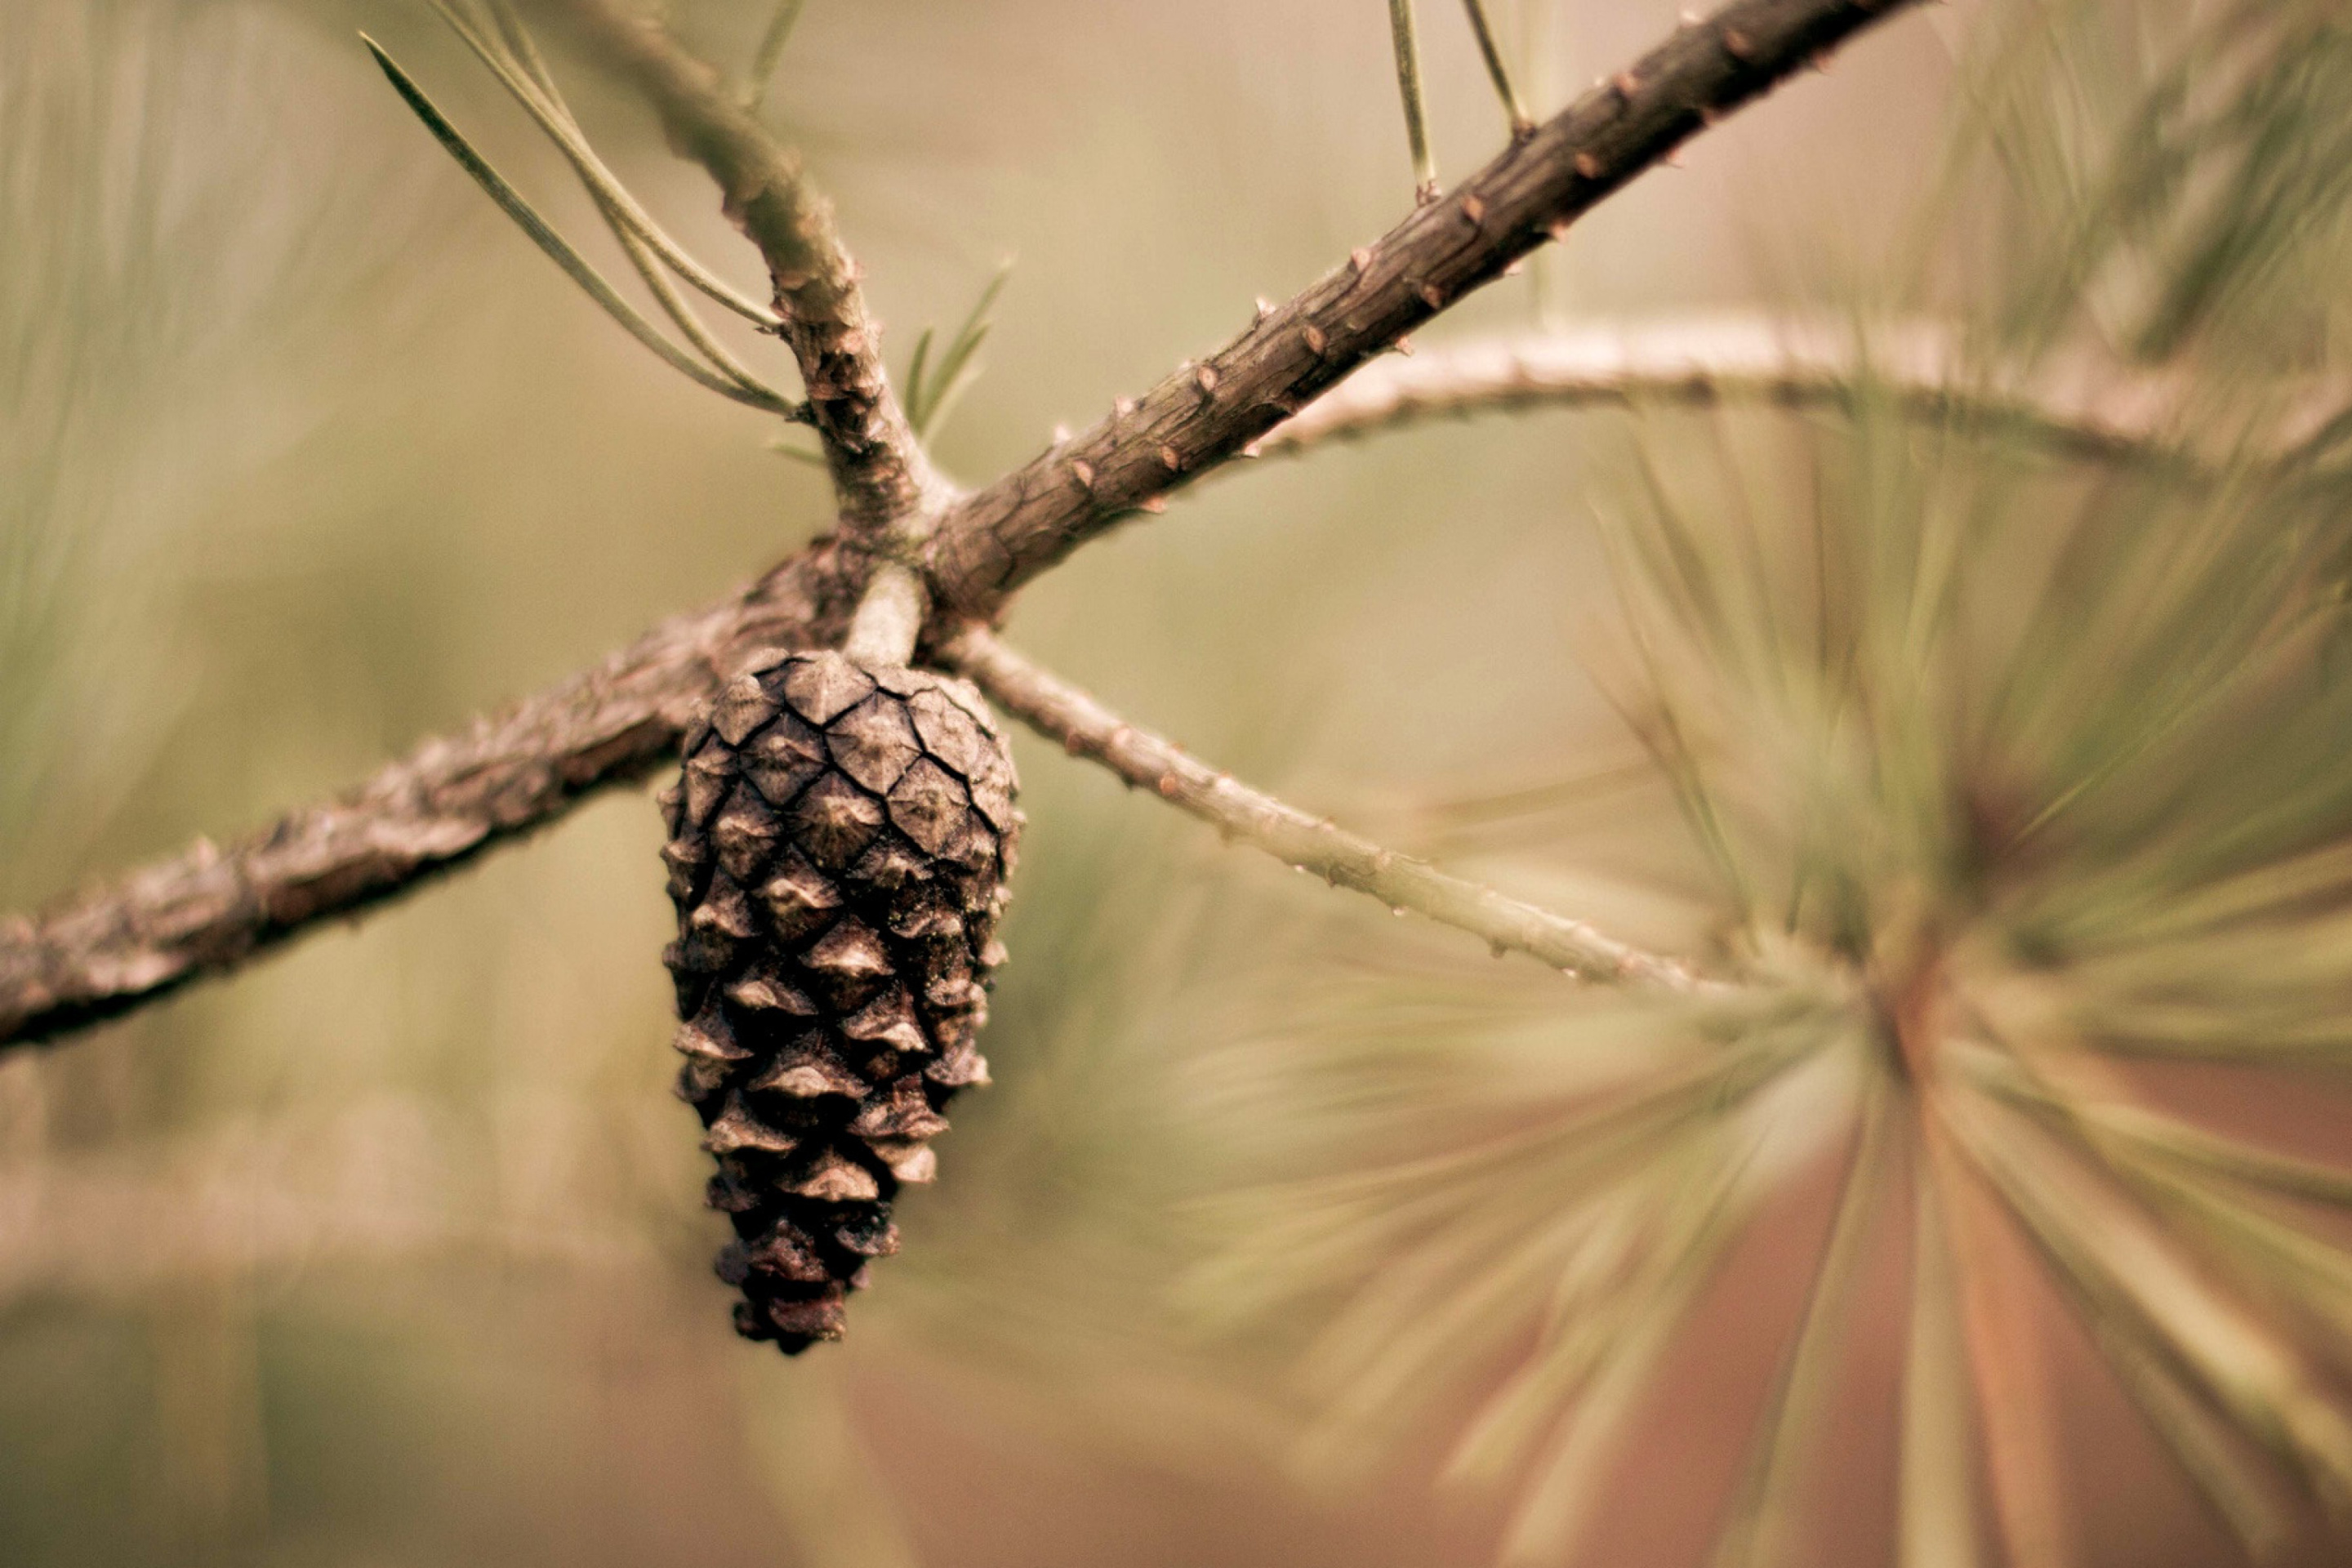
(771,51)
(1416,115)
(521,56)
(933,390)
(575,267)
(611,196)
(1937,1517)
(1759,1528)
(1612,1355)
(1521,121)
(2128,1278)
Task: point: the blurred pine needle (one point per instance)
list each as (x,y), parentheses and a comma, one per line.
(1996,775)
(1997,778)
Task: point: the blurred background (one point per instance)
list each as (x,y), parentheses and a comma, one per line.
(390,1251)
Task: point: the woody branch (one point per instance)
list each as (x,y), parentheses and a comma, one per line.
(1085,728)
(2094,412)
(209,909)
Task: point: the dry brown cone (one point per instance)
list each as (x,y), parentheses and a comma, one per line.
(839,842)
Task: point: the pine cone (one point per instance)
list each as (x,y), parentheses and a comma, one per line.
(839,847)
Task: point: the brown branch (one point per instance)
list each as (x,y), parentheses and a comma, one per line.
(879,469)
(1206,414)
(1699,362)
(209,909)
(1085,728)
(122,944)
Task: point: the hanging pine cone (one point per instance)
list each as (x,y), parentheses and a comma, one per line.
(839,847)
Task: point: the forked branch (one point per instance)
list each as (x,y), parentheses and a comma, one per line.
(208,910)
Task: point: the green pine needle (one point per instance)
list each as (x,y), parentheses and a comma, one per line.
(771,51)
(932,390)
(557,249)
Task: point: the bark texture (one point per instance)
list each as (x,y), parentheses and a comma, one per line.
(1206,413)
(839,843)
(209,909)
(213,907)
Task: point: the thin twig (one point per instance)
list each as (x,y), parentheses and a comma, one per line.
(1416,114)
(1522,122)
(2102,414)
(1084,727)
(122,944)
(2080,409)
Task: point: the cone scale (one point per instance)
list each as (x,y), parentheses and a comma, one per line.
(839,840)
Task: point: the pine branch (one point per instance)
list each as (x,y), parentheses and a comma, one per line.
(2110,415)
(1085,728)
(771,51)
(208,910)
(879,470)
(213,909)
(1206,414)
